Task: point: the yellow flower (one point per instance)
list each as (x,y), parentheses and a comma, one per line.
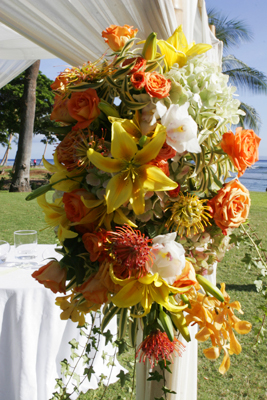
(134,176)
(145,291)
(60,173)
(177,50)
(98,213)
(75,308)
(55,215)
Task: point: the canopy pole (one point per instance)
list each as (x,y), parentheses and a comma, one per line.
(179,9)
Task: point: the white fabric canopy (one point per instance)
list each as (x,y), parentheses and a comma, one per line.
(71,29)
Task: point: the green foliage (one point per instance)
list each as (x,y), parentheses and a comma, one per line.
(11,103)
(232,33)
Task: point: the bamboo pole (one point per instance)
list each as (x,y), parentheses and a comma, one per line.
(179,9)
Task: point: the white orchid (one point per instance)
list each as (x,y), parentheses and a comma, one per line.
(181,129)
(169,257)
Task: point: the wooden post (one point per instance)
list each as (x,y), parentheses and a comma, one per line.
(179,8)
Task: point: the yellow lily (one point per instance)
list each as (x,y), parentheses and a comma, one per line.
(55,216)
(54,212)
(177,50)
(98,212)
(134,176)
(60,172)
(145,291)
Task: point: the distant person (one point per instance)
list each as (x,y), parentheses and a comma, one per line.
(34,163)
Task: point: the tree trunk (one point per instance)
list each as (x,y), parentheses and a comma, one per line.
(5,158)
(21,179)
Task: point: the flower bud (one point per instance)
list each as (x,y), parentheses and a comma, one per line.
(150,47)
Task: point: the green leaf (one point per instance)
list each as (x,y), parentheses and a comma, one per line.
(155,376)
(108,337)
(123,377)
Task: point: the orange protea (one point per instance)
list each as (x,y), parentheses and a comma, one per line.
(72,151)
(157,346)
(217,321)
(130,251)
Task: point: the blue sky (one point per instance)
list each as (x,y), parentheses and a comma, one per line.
(253,53)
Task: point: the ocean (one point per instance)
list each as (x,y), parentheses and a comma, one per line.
(255,178)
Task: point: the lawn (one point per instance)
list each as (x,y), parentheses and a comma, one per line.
(246,378)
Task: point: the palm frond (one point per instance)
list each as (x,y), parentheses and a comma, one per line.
(231,32)
(247,78)
(251,120)
(231,62)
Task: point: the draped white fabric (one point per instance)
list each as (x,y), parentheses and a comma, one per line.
(71,29)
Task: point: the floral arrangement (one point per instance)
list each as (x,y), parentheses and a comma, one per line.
(141,207)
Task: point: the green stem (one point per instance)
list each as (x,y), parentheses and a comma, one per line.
(254,244)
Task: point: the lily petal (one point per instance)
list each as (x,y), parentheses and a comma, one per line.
(118,191)
(152,149)
(156,180)
(106,164)
(123,147)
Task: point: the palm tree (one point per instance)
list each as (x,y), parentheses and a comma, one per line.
(231,33)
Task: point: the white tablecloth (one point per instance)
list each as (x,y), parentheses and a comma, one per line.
(33,339)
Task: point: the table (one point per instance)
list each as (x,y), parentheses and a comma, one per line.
(33,339)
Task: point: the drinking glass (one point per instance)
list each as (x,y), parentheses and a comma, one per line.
(25,242)
(4,249)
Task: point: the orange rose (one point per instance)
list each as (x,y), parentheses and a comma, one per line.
(74,207)
(231,205)
(242,148)
(96,288)
(157,85)
(140,64)
(175,192)
(52,276)
(187,277)
(93,242)
(83,106)
(138,80)
(162,164)
(166,152)
(93,290)
(117,36)
(60,111)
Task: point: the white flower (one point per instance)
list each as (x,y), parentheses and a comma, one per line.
(169,257)
(181,129)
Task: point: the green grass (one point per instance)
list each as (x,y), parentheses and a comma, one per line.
(16,213)
(246,379)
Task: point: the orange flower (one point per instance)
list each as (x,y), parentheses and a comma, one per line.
(52,276)
(231,205)
(93,242)
(161,164)
(165,153)
(140,64)
(74,207)
(242,148)
(60,83)
(93,290)
(157,85)
(117,36)
(138,80)
(187,277)
(60,111)
(96,288)
(217,321)
(83,107)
